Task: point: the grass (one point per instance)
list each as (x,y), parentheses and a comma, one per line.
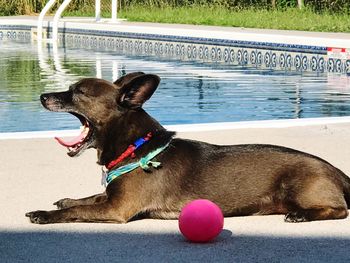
(289,19)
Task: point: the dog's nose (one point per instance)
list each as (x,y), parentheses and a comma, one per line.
(43,97)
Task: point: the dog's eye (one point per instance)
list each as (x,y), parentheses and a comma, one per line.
(79,91)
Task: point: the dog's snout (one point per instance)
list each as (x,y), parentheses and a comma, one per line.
(55,101)
(45,99)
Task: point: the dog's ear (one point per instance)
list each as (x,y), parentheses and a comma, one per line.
(127,78)
(138,90)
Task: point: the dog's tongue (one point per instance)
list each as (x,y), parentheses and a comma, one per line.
(75,141)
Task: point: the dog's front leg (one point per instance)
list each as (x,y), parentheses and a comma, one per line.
(91,200)
(105,212)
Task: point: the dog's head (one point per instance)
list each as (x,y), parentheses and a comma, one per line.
(98,103)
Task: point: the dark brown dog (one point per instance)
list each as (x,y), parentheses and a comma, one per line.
(241,179)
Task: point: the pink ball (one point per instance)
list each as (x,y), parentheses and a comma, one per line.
(201,220)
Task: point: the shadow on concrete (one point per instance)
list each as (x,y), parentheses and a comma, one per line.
(146,247)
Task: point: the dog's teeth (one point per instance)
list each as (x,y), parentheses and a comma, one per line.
(84,129)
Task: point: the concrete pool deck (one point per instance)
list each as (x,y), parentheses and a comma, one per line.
(36,172)
(339,40)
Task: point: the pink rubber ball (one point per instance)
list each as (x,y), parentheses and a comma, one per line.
(201,221)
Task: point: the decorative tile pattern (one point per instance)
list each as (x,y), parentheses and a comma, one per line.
(203,50)
(17,35)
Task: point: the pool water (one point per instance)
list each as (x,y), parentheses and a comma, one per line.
(188,93)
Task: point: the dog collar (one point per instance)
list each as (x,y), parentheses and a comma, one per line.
(130,151)
(144,163)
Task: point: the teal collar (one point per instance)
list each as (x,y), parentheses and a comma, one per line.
(144,163)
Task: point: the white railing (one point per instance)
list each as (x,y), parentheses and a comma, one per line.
(97,10)
(114,10)
(59,12)
(57,16)
(55,19)
(41,19)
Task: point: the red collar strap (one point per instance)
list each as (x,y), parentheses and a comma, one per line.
(130,151)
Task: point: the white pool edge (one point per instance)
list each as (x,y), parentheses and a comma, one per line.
(202,127)
(318,39)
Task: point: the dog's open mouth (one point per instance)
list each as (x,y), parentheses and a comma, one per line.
(81,142)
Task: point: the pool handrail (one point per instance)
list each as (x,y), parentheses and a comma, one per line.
(59,12)
(41,19)
(97,10)
(114,10)
(57,16)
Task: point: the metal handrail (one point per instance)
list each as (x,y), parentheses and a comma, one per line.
(57,16)
(59,12)
(97,10)
(114,10)
(41,19)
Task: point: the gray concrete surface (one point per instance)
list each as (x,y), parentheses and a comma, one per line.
(37,172)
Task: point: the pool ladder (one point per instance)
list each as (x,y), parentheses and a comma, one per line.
(60,10)
(57,16)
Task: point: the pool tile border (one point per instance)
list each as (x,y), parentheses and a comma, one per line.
(264,55)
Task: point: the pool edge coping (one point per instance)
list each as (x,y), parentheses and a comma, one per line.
(200,127)
(270,36)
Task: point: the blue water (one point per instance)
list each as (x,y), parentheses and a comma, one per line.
(188,93)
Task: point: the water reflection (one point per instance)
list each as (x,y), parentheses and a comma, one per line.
(189,93)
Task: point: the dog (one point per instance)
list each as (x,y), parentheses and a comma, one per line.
(153,174)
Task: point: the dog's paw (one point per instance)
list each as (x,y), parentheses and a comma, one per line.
(64,203)
(294,217)
(39,217)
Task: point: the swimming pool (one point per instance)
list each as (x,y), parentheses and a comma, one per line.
(189,92)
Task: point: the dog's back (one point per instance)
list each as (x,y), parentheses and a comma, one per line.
(253,179)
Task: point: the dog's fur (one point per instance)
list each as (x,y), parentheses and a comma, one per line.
(241,179)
